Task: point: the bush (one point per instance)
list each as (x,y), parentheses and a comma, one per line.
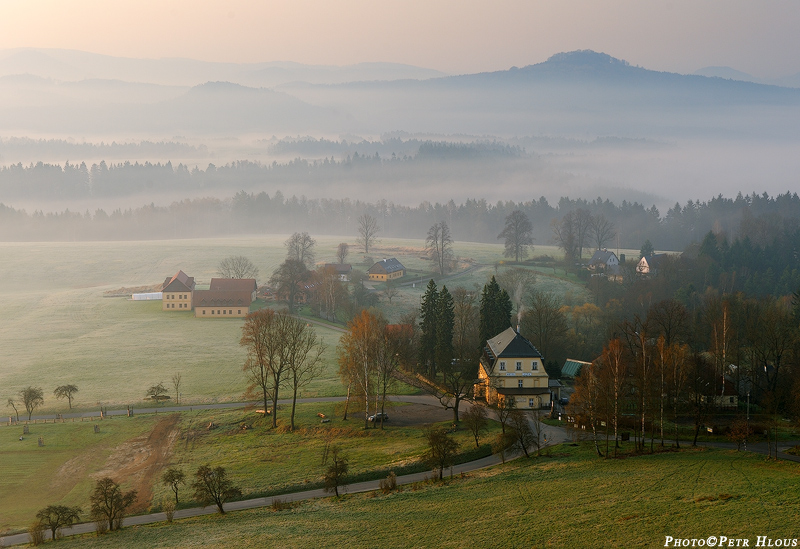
(168,506)
(101,526)
(389,484)
(36,532)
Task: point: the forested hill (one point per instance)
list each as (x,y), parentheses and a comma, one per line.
(759,217)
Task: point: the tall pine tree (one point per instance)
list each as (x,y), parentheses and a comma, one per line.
(445,322)
(495,311)
(428,321)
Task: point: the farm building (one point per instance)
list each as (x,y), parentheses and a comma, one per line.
(386,269)
(177,292)
(226,297)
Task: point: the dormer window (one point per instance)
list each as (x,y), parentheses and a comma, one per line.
(502,366)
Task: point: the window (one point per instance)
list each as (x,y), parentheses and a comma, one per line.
(503,366)
(519,366)
(230,312)
(240,312)
(530,403)
(212,311)
(519,383)
(204,311)
(534,365)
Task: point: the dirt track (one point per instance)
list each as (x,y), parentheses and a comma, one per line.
(139,461)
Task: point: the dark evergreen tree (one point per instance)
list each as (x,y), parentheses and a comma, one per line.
(495,311)
(428,321)
(445,321)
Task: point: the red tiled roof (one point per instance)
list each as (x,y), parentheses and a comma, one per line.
(215,298)
(181,282)
(233,284)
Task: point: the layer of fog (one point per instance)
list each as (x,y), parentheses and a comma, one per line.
(654,173)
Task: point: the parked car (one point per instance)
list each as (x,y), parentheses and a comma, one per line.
(377,418)
(563,401)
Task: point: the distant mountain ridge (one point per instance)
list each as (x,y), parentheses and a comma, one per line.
(71,65)
(581,93)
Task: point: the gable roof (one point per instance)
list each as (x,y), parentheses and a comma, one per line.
(341,268)
(509,344)
(653,261)
(601,256)
(233,285)
(387,266)
(180,282)
(217,298)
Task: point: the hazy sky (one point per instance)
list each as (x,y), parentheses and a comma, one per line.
(759,37)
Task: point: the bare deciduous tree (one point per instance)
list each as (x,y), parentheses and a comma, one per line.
(439,244)
(336,473)
(287,278)
(602,230)
(157,393)
(176,383)
(302,352)
(109,503)
(56,517)
(342,251)
(173,477)
(13,405)
(390,291)
(441,449)
(300,247)
(32,398)
(237,266)
(263,367)
(213,486)
(476,420)
(66,391)
(517,235)
(367,232)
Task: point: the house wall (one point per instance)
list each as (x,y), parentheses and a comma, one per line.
(176,301)
(531,373)
(221,312)
(385,276)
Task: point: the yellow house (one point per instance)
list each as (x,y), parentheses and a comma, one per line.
(225,298)
(177,292)
(512,368)
(386,269)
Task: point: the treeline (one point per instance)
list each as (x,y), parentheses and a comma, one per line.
(76,181)
(762,218)
(25,147)
(393,147)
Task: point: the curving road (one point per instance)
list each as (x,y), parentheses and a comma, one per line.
(553,435)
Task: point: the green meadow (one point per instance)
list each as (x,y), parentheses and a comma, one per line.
(58,328)
(569,499)
(137,450)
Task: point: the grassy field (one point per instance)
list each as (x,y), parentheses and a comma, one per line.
(32,477)
(570,499)
(58,328)
(136,450)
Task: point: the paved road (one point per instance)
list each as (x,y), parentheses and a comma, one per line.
(553,435)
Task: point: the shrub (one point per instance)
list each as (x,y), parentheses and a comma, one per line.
(389,484)
(168,506)
(36,532)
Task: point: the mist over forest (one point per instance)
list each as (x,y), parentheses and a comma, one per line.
(99,147)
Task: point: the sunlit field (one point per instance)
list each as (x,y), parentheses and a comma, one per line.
(58,327)
(570,499)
